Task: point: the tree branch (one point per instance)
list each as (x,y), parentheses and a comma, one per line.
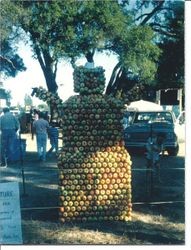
(162,29)
(141,16)
(55,68)
(150,15)
(165,32)
(8,61)
(146,14)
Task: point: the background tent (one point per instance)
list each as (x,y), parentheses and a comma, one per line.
(145,106)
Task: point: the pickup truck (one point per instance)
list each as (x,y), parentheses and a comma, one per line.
(144,124)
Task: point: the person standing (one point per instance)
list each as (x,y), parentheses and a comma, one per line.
(9,125)
(41,127)
(34,118)
(53,136)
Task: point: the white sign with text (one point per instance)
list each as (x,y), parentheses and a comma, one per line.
(10,214)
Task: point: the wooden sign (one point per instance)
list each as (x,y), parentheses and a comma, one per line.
(10,214)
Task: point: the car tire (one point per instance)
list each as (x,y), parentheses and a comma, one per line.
(173,151)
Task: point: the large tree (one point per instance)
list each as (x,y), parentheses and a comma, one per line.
(166,19)
(70,29)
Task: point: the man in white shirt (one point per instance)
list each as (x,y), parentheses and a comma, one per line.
(41,127)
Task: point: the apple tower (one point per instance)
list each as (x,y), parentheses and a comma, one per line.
(95,168)
(94,165)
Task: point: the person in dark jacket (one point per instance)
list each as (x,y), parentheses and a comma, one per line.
(9,125)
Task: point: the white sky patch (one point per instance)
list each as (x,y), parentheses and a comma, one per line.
(33,77)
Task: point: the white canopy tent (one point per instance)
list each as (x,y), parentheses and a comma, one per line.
(145,106)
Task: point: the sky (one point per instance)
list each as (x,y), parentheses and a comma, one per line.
(33,77)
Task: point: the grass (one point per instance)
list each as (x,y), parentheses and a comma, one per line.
(144,229)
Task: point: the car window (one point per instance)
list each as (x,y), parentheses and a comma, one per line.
(168,117)
(148,117)
(128,117)
(143,117)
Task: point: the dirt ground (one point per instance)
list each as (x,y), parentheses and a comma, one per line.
(158,218)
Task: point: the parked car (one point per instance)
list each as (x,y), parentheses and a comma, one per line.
(146,123)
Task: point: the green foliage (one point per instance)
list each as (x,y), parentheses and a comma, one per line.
(72,29)
(10,61)
(139,54)
(162,67)
(9,17)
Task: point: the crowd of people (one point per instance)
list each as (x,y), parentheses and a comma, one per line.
(40,127)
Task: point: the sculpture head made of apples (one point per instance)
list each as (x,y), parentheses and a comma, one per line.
(89,80)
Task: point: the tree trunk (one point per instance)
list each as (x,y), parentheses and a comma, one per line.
(89,56)
(49,72)
(113,79)
(50,80)
(46,63)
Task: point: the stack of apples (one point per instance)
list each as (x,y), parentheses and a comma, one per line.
(89,81)
(52,99)
(95,167)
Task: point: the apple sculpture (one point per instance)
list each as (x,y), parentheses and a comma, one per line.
(94,165)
